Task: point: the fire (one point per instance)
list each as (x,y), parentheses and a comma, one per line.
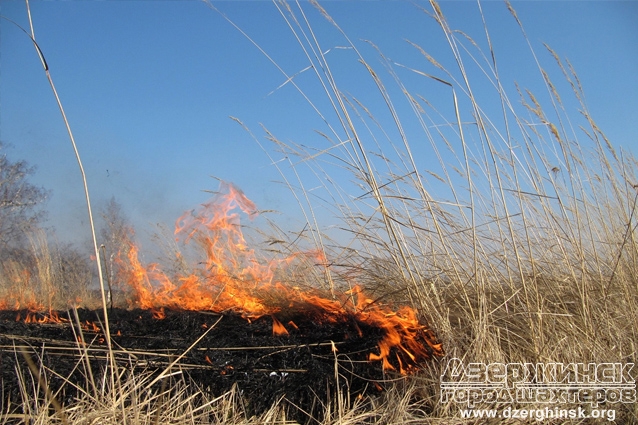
(33,316)
(53,316)
(231,278)
(278,328)
(21,293)
(91,326)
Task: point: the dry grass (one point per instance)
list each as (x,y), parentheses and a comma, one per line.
(526,252)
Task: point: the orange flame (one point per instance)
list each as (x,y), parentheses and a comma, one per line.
(90,326)
(227,279)
(278,328)
(21,293)
(230,278)
(51,317)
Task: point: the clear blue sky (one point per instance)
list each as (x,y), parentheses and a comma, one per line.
(149,86)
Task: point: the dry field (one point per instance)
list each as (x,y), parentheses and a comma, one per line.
(526,252)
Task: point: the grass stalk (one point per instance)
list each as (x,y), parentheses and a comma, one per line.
(86,192)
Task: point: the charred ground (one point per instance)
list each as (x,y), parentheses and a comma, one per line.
(299,367)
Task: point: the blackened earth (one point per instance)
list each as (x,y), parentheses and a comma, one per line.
(299,367)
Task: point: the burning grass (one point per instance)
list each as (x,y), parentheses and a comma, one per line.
(527,255)
(230,321)
(231,278)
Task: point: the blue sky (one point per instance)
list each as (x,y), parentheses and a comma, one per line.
(149,86)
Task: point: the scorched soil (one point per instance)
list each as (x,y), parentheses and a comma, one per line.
(298,367)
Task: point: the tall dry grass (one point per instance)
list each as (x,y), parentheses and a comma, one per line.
(518,245)
(526,251)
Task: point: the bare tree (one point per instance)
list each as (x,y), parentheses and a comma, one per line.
(74,272)
(116,235)
(19,202)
